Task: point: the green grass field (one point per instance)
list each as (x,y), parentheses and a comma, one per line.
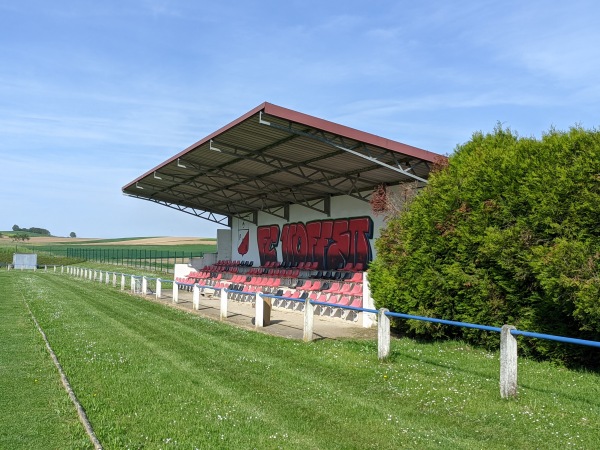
(154,377)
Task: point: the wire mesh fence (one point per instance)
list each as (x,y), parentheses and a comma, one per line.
(147,259)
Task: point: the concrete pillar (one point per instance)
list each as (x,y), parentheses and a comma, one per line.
(175,292)
(158,288)
(196,297)
(383,334)
(122,281)
(258,310)
(367,319)
(45,268)
(144,285)
(114,279)
(309,317)
(508,363)
(223,315)
(132,284)
(107,277)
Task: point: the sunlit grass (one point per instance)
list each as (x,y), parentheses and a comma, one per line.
(35,412)
(154,377)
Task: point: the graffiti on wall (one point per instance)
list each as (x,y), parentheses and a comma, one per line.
(331,242)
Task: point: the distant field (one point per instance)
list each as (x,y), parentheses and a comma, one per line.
(159,253)
(137,241)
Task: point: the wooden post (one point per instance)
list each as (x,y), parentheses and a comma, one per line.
(508,363)
(383,334)
(266,302)
(308,320)
(223,314)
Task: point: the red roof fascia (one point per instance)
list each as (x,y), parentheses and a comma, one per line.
(351,133)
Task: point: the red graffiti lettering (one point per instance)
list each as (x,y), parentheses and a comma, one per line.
(267,238)
(331,243)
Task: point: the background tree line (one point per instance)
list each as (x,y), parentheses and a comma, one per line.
(33,230)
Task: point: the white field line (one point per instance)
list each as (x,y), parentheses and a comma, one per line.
(80,411)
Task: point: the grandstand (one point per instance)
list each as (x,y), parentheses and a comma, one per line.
(296,195)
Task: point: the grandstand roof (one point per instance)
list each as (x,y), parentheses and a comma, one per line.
(272,157)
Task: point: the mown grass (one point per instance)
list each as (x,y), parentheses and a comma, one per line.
(35,412)
(154,377)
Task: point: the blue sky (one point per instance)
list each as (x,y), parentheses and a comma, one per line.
(93,94)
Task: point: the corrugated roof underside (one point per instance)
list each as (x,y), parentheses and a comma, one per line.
(252,166)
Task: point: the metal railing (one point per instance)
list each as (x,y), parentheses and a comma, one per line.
(508,344)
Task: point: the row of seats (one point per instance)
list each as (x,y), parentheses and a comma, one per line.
(330,308)
(312,265)
(228,263)
(287,273)
(243,288)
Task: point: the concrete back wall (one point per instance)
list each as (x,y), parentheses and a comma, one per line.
(346,236)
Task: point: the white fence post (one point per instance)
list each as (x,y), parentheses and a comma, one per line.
(144,285)
(196,296)
(223,314)
(309,319)
(114,279)
(383,334)
(259,310)
(508,363)
(132,284)
(122,281)
(107,277)
(158,288)
(175,292)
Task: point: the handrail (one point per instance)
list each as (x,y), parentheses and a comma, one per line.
(514,332)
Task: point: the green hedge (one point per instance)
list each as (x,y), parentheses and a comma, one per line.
(507,233)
